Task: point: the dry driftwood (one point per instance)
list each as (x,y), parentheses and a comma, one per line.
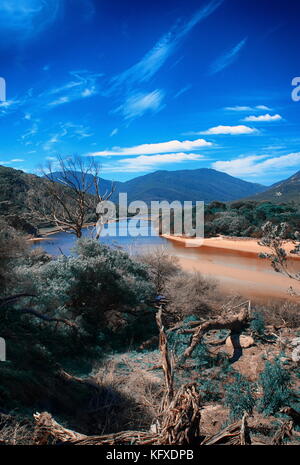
(235,434)
(234,322)
(180,425)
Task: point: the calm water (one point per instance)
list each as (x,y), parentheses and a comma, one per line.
(63,242)
(237,272)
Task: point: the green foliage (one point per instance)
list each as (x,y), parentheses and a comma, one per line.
(246,218)
(276,385)
(209,389)
(258,324)
(101,291)
(239,396)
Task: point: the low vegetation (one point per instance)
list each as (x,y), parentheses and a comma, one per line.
(83,332)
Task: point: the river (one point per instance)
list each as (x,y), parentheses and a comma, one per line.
(237,271)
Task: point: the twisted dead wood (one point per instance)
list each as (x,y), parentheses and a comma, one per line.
(234,322)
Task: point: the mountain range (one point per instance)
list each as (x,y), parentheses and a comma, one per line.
(281,192)
(19,189)
(200,184)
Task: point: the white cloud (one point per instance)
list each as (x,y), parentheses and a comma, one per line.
(14,160)
(161,147)
(149,163)
(263,118)
(255,165)
(140,103)
(238,108)
(247,108)
(232,130)
(227,58)
(263,107)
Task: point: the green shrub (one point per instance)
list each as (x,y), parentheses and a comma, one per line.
(276,385)
(258,324)
(239,396)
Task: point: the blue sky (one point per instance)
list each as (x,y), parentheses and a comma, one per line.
(145,86)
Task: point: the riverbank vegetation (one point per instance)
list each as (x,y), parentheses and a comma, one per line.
(108,343)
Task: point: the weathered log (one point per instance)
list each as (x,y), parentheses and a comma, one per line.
(234,322)
(235,434)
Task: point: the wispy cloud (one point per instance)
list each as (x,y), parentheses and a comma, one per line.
(25,18)
(255,165)
(159,148)
(182,90)
(66,130)
(149,163)
(139,103)
(83,85)
(227,58)
(155,58)
(14,160)
(263,118)
(247,108)
(231,130)
(128,82)
(114,132)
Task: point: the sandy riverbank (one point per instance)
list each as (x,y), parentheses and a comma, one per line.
(239,245)
(235,264)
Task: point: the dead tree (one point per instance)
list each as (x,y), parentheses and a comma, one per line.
(73,191)
(232,321)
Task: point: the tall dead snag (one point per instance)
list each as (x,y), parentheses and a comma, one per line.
(73,194)
(181,420)
(166,363)
(179,415)
(234,322)
(180,412)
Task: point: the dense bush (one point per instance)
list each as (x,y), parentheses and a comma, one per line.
(276,385)
(245,218)
(258,324)
(239,396)
(161,267)
(190,294)
(103,296)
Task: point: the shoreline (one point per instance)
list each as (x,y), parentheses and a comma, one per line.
(245,245)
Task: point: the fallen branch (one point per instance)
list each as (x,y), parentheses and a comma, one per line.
(235,434)
(233,322)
